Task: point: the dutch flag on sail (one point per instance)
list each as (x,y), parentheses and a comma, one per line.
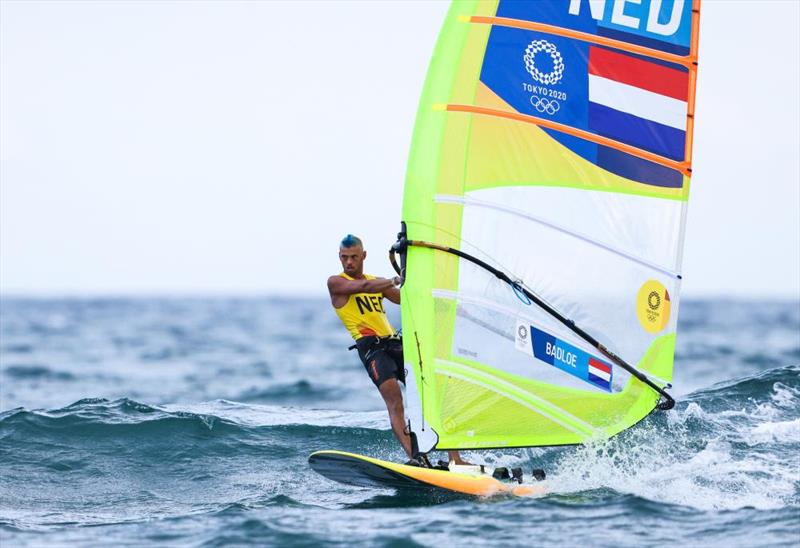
(638,102)
(599,373)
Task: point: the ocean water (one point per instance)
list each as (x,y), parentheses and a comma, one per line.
(189,422)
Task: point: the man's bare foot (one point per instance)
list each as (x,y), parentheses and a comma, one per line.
(455,458)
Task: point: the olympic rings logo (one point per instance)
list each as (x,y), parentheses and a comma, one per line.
(545,105)
(654,300)
(551,77)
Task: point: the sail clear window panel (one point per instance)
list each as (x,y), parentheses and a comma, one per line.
(638,227)
(593,287)
(486,336)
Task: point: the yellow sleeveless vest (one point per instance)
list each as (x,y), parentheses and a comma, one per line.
(363,314)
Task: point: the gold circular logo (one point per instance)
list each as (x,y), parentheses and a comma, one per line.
(653,306)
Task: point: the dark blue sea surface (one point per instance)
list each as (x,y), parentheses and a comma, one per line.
(190,421)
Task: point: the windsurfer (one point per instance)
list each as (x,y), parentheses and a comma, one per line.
(358,301)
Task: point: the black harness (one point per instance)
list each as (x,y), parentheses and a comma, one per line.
(370,344)
(391,345)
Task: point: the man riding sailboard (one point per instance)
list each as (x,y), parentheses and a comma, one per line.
(358,301)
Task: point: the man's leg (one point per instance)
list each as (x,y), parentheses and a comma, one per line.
(390,390)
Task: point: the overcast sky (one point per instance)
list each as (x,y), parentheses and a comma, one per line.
(210,147)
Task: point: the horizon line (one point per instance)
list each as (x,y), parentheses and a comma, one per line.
(73,294)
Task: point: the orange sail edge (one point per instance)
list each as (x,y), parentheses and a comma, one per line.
(682,166)
(692,80)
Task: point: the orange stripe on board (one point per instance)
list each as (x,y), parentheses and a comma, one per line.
(683,167)
(484,486)
(688,62)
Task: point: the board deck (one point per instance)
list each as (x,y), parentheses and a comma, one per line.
(362,471)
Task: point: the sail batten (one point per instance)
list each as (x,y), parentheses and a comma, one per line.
(544,214)
(679,165)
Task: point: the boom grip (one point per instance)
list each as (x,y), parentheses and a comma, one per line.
(399,247)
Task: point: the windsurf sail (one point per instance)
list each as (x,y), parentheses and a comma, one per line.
(543,220)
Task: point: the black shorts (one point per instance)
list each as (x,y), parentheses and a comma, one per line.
(382,358)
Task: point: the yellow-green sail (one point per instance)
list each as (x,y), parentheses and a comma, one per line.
(553,143)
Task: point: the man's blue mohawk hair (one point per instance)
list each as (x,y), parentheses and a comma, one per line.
(351,241)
